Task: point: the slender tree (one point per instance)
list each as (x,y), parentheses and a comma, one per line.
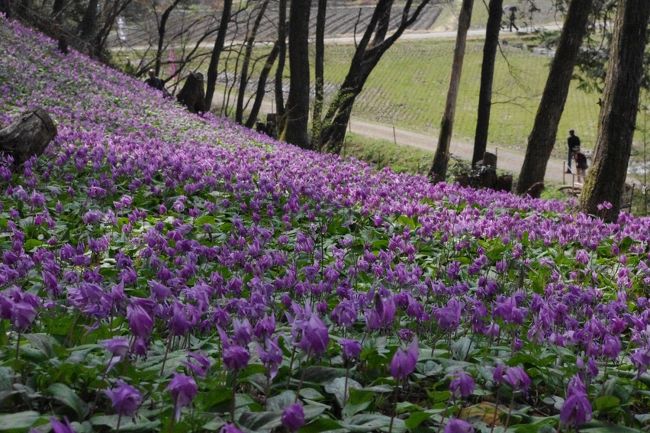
(248,52)
(219,42)
(261,85)
(438,171)
(606,179)
(162,29)
(279,71)
(366,56)
(319,71)
(89,21)
(297,109)
(492,29)
(542,138)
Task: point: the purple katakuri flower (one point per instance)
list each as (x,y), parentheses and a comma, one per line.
(576,409)
(462,385)
(183,389)
(235,357)
(293,417)
(229,428)
(61,427)
(23,315)
(139,320)
(271,356)
(404,361)
(315,336)
(455,425)
(517,378)
(448,317)
(198,363)
(117,346)
(125,398)
(351,349)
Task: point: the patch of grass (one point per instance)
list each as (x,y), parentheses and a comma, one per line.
(408,89)
(383,153)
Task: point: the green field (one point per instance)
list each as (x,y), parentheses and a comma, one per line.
(408,89)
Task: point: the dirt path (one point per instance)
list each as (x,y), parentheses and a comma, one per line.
(508,159)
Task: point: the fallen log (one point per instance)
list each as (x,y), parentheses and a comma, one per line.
(27,136)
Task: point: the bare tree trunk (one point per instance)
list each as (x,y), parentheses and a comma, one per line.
(89,22)
(319,72)
(162,29)
(606,179)
(243,79)
(57,9)
(279,72)
(495,11)
(216,52)
(542,137)
(438,171)
(297,109)
(261,85)
(365,59)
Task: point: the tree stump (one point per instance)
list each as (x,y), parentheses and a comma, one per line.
(28,136)
(192,95)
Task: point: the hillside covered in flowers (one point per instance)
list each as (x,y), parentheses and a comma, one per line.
(162,271)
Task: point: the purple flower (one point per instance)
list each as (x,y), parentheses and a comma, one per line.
(61,427)
(23,315)
(139,320)
(448,317)
(315,336)
(462,385)
(517,378)
(271,356)
(183,389)
(458,426)
(229,428)
(576,409)
(125,398)
(344,314)
(198,363)
(293,417)
(351,349)
(235,357)
(117,346)
(404,361)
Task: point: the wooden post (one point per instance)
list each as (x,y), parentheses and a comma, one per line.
(394,136)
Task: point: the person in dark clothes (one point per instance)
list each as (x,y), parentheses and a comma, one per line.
(154,81)
(573,143)
(581,165)
(513,17)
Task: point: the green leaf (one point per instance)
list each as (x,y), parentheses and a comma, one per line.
(43,343)
(415,419)
(258,421)
(141,424)
(319,374)
(368,422)
(336,387)
(280,401)
(605,403)
(358,401)
(322,425)
(68,397)
(18,420)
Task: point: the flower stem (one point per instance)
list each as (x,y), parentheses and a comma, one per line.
(512,402)
(392,418)
(345,385)
(496,411)
(119,421)
(233,403)
(169,343)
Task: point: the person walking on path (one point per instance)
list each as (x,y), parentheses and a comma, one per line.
(581,165)
(513,17)
(573,143)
